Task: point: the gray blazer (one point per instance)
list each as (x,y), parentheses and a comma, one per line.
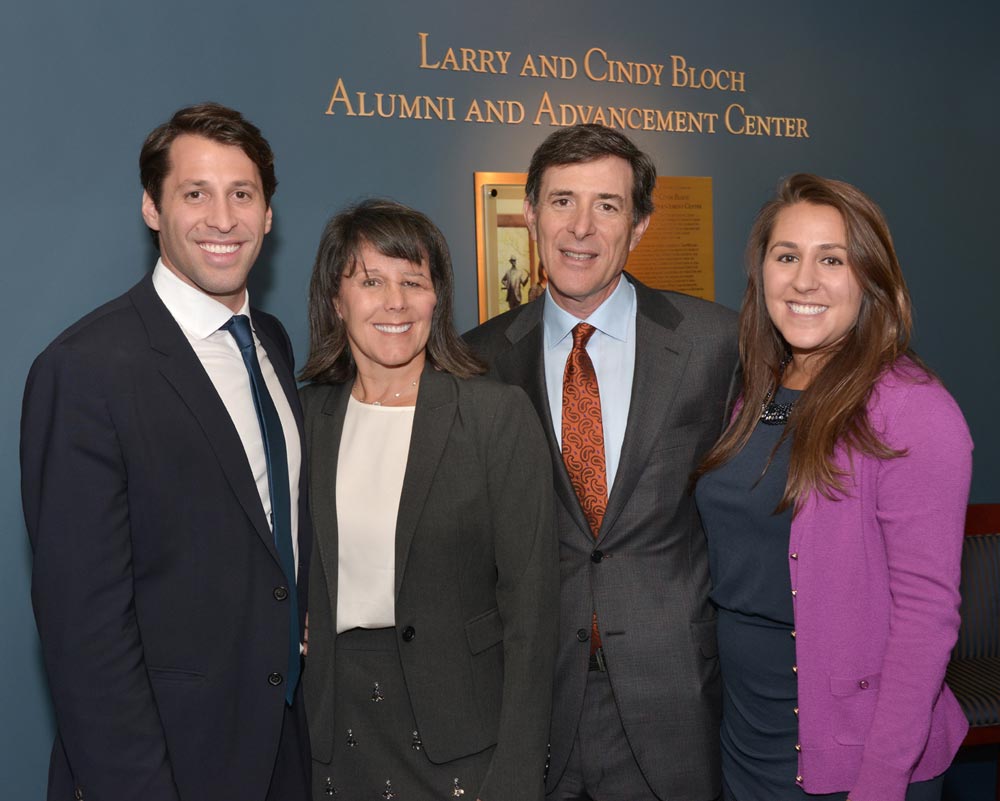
(647,573)
(476,576)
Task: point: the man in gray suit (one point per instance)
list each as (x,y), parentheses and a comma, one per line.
(637,696)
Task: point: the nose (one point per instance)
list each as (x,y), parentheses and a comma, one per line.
(395,297)
(220,216)
(806,277)
(582,222)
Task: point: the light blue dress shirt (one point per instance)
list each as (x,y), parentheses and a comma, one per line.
(611,349)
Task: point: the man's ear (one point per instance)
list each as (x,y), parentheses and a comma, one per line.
(531,218)
(149,211)
(637,232)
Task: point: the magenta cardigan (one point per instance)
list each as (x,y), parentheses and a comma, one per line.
(875,577)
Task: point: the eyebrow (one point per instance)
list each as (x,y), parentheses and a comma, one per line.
(201,182)
(600,195)
(795,246)
(422,273)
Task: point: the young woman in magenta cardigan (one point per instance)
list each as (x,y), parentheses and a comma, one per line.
(834,507)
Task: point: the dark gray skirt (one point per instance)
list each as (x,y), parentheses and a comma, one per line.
(377,751)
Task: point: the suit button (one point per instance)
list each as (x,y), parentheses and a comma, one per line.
(274,679)
(596,556)
(409,633)
(280,593)
(583,634)
(863,684)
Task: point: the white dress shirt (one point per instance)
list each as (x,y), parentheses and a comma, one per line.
(200,318)
(612,350)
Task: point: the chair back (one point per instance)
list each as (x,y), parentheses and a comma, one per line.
(979,635)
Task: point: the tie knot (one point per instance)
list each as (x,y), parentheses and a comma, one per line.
(239,326)
(582,332)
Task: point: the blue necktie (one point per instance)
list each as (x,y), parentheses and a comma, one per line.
(277,483)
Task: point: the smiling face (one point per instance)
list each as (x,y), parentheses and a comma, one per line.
(812,295)
(583,227)
(212,217)
(387,306)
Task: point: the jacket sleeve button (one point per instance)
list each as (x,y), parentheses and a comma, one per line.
(409,633)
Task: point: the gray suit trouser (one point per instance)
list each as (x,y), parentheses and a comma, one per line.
(601,766)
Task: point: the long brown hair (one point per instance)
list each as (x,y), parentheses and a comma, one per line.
(832,410)
(396,231)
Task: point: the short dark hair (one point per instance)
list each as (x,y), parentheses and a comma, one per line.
(582,143)
(212,121)
(396,231)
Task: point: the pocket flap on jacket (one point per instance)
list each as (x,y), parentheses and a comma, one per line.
(484,630)
(851,686)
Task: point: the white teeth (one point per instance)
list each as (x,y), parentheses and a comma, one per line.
(211,247)
(802,308)
(578,256)
(394,329)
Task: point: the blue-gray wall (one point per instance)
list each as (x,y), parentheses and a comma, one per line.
(899,99)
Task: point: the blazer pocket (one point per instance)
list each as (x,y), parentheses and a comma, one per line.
(704,636)
(484,631)
(853,707)
(160,674)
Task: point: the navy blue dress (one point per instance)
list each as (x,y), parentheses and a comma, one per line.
(751,588)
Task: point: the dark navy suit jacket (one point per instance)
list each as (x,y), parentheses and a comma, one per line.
(158,593)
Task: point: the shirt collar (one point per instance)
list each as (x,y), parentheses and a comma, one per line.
(197,313)
(612,317)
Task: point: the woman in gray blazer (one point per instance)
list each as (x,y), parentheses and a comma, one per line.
(432,606)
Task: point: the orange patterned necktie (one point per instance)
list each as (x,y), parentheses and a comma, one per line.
(583,438)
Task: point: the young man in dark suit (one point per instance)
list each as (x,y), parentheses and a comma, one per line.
(632,386)
(162,489)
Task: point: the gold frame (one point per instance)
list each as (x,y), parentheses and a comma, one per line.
(488,225)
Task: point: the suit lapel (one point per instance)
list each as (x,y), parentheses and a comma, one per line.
(661,356)
(183,371)
(523,364)
(324,442)
(437,403)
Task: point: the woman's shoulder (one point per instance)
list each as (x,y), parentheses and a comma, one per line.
(314,396)
(908,395)
(485,388)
